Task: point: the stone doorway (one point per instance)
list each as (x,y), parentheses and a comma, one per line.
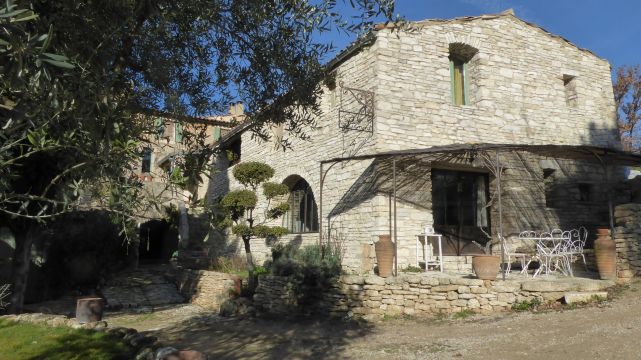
(158,242)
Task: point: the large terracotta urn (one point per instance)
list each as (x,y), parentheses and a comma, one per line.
(606,255)
(486,267)
(384,248)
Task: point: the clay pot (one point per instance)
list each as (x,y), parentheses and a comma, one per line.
(486,267)
(89,310)
(606,255)
(384,248)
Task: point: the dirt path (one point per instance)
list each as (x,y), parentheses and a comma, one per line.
(608,331)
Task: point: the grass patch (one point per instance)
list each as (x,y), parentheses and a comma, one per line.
(22,341)
(463,314)
(526,305)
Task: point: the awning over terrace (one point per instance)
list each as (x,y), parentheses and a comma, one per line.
(382,175)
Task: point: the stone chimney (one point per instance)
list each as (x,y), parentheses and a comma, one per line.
(236,109)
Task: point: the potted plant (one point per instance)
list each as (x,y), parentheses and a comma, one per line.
(486,266)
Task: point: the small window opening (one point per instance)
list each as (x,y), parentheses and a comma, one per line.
(233,152)
(146,160)
(569,83)
(585,192)
(550,191)
(460,56)
(458,74)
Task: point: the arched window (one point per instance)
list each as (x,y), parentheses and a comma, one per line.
(302,216)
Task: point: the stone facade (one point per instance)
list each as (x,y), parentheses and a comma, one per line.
(519,78)
(372,297)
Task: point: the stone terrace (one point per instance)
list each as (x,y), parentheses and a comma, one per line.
(372,297)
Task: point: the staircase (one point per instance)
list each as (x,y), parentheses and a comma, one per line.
(147,286)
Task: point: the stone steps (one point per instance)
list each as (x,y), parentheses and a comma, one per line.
(148,286)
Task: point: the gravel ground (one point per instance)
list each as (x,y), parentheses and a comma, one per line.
(610,330)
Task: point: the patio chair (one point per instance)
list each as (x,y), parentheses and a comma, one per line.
(578,237)
(511,253)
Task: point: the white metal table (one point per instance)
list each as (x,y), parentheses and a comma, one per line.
(428,250)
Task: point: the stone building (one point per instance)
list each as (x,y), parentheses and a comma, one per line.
(423,100)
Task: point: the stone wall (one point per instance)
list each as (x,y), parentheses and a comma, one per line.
(372,297)
(208,289)
(627,237)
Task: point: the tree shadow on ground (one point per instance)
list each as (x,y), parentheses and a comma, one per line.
(235,338)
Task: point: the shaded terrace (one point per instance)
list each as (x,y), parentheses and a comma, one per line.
(400,175)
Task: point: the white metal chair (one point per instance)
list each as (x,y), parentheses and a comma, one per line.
(552,251)
(577,237)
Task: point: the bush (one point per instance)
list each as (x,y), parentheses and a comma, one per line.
(234,264)
(313,269)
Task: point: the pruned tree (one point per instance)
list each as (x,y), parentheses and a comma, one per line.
(239,208)
(627,96)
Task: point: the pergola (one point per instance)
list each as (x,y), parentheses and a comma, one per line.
(490,155)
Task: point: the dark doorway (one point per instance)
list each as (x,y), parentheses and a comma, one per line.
(158,241)
(459,202)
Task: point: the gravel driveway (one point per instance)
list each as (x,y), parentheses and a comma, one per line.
(610,330)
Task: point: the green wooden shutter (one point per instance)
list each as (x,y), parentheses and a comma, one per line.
(216,133)
(179,132)
(160,127)
(452,86)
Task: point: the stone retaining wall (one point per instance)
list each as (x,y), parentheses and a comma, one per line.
(372,297)
(627,236)
(208,289)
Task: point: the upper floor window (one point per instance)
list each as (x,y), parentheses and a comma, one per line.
(569,84)
(146,160)
(458,77)
(460,59)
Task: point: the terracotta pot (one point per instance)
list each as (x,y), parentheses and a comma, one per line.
(89,310)
(384,255)
(606,255)
(486,267)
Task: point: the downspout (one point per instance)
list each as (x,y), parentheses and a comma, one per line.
(395,232)
(498,189)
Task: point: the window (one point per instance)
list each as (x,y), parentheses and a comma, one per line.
(458,75)
(302,216)
(569,83)
(160,128)
(585,192)
(461,56)
(146,160)
(550,191)
(233,152)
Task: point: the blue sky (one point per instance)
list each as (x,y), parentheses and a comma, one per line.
(609,28)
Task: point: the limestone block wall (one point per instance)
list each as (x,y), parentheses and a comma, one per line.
(209,289)
(303,159)
(372,297)
(628,240)
(516,87)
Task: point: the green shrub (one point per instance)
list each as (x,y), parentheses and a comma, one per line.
(313,270)
(526,305)
(412,269)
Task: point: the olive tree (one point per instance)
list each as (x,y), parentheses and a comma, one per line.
(74,75)
(239,208)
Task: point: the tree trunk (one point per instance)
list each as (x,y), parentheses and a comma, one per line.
(20,268)
(251,279)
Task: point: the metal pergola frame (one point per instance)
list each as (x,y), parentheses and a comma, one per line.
(490,153)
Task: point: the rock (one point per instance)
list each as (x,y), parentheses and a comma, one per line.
(166,352)
(191,355)
(145,354)
(584,297)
